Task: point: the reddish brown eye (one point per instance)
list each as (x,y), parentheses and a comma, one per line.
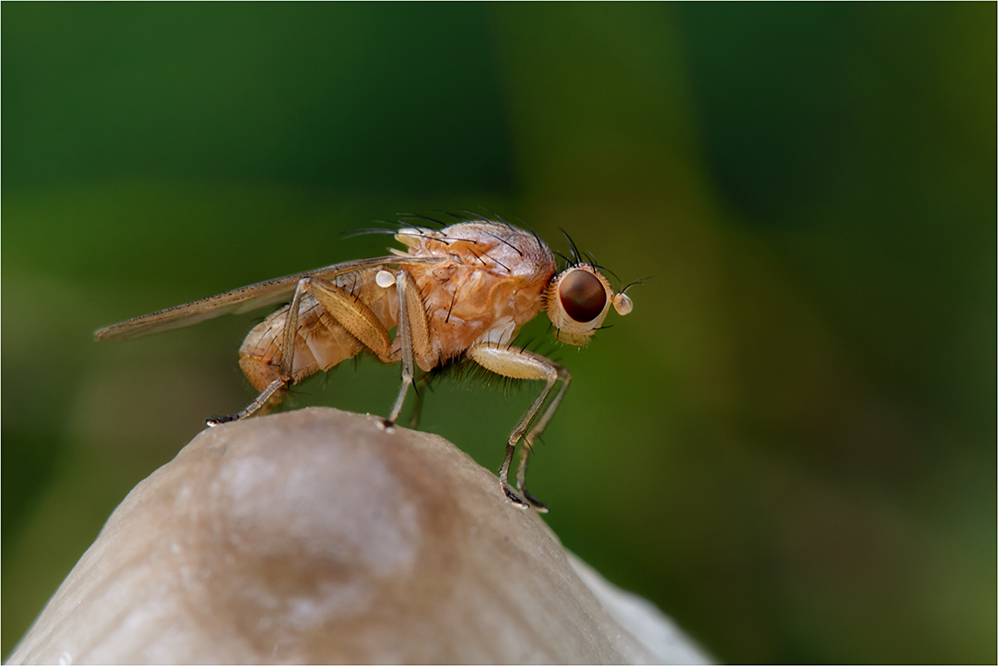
(582,295)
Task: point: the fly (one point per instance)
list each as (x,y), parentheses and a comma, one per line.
(458,293)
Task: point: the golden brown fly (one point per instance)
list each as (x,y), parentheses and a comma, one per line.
(458,293)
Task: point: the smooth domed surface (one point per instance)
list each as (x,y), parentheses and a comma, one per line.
(317,536)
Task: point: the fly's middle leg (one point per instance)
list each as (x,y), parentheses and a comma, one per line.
(522,364)
(422,383)
(413,333)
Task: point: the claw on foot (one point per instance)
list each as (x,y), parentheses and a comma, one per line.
(540,506)
(513,497)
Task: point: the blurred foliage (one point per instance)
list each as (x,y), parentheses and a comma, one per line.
(789,445)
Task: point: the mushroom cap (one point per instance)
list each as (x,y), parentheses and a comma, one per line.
(318,536)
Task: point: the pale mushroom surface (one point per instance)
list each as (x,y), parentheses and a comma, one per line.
(317,536)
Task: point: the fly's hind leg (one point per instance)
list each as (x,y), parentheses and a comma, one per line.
(344,307)
(274,392)
(269,398)
(522,364)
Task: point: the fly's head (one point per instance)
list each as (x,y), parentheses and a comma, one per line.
(578,300)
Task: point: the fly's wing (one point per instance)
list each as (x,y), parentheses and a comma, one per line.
(244,299)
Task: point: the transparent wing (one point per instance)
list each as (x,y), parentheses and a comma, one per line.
(244,299)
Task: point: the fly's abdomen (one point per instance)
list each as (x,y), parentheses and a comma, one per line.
(320,342)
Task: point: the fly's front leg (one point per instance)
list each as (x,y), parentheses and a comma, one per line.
(535,433)
(413,334)
(276,389)
(521,364)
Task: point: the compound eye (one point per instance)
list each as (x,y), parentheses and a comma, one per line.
(582,295)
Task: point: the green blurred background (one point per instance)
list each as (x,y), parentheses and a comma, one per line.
(789,445)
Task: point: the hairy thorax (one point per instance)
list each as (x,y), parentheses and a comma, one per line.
(493,286)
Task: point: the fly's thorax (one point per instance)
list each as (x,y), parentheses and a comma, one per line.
(492,246)
(578,300)
(492,285)
(468,304)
